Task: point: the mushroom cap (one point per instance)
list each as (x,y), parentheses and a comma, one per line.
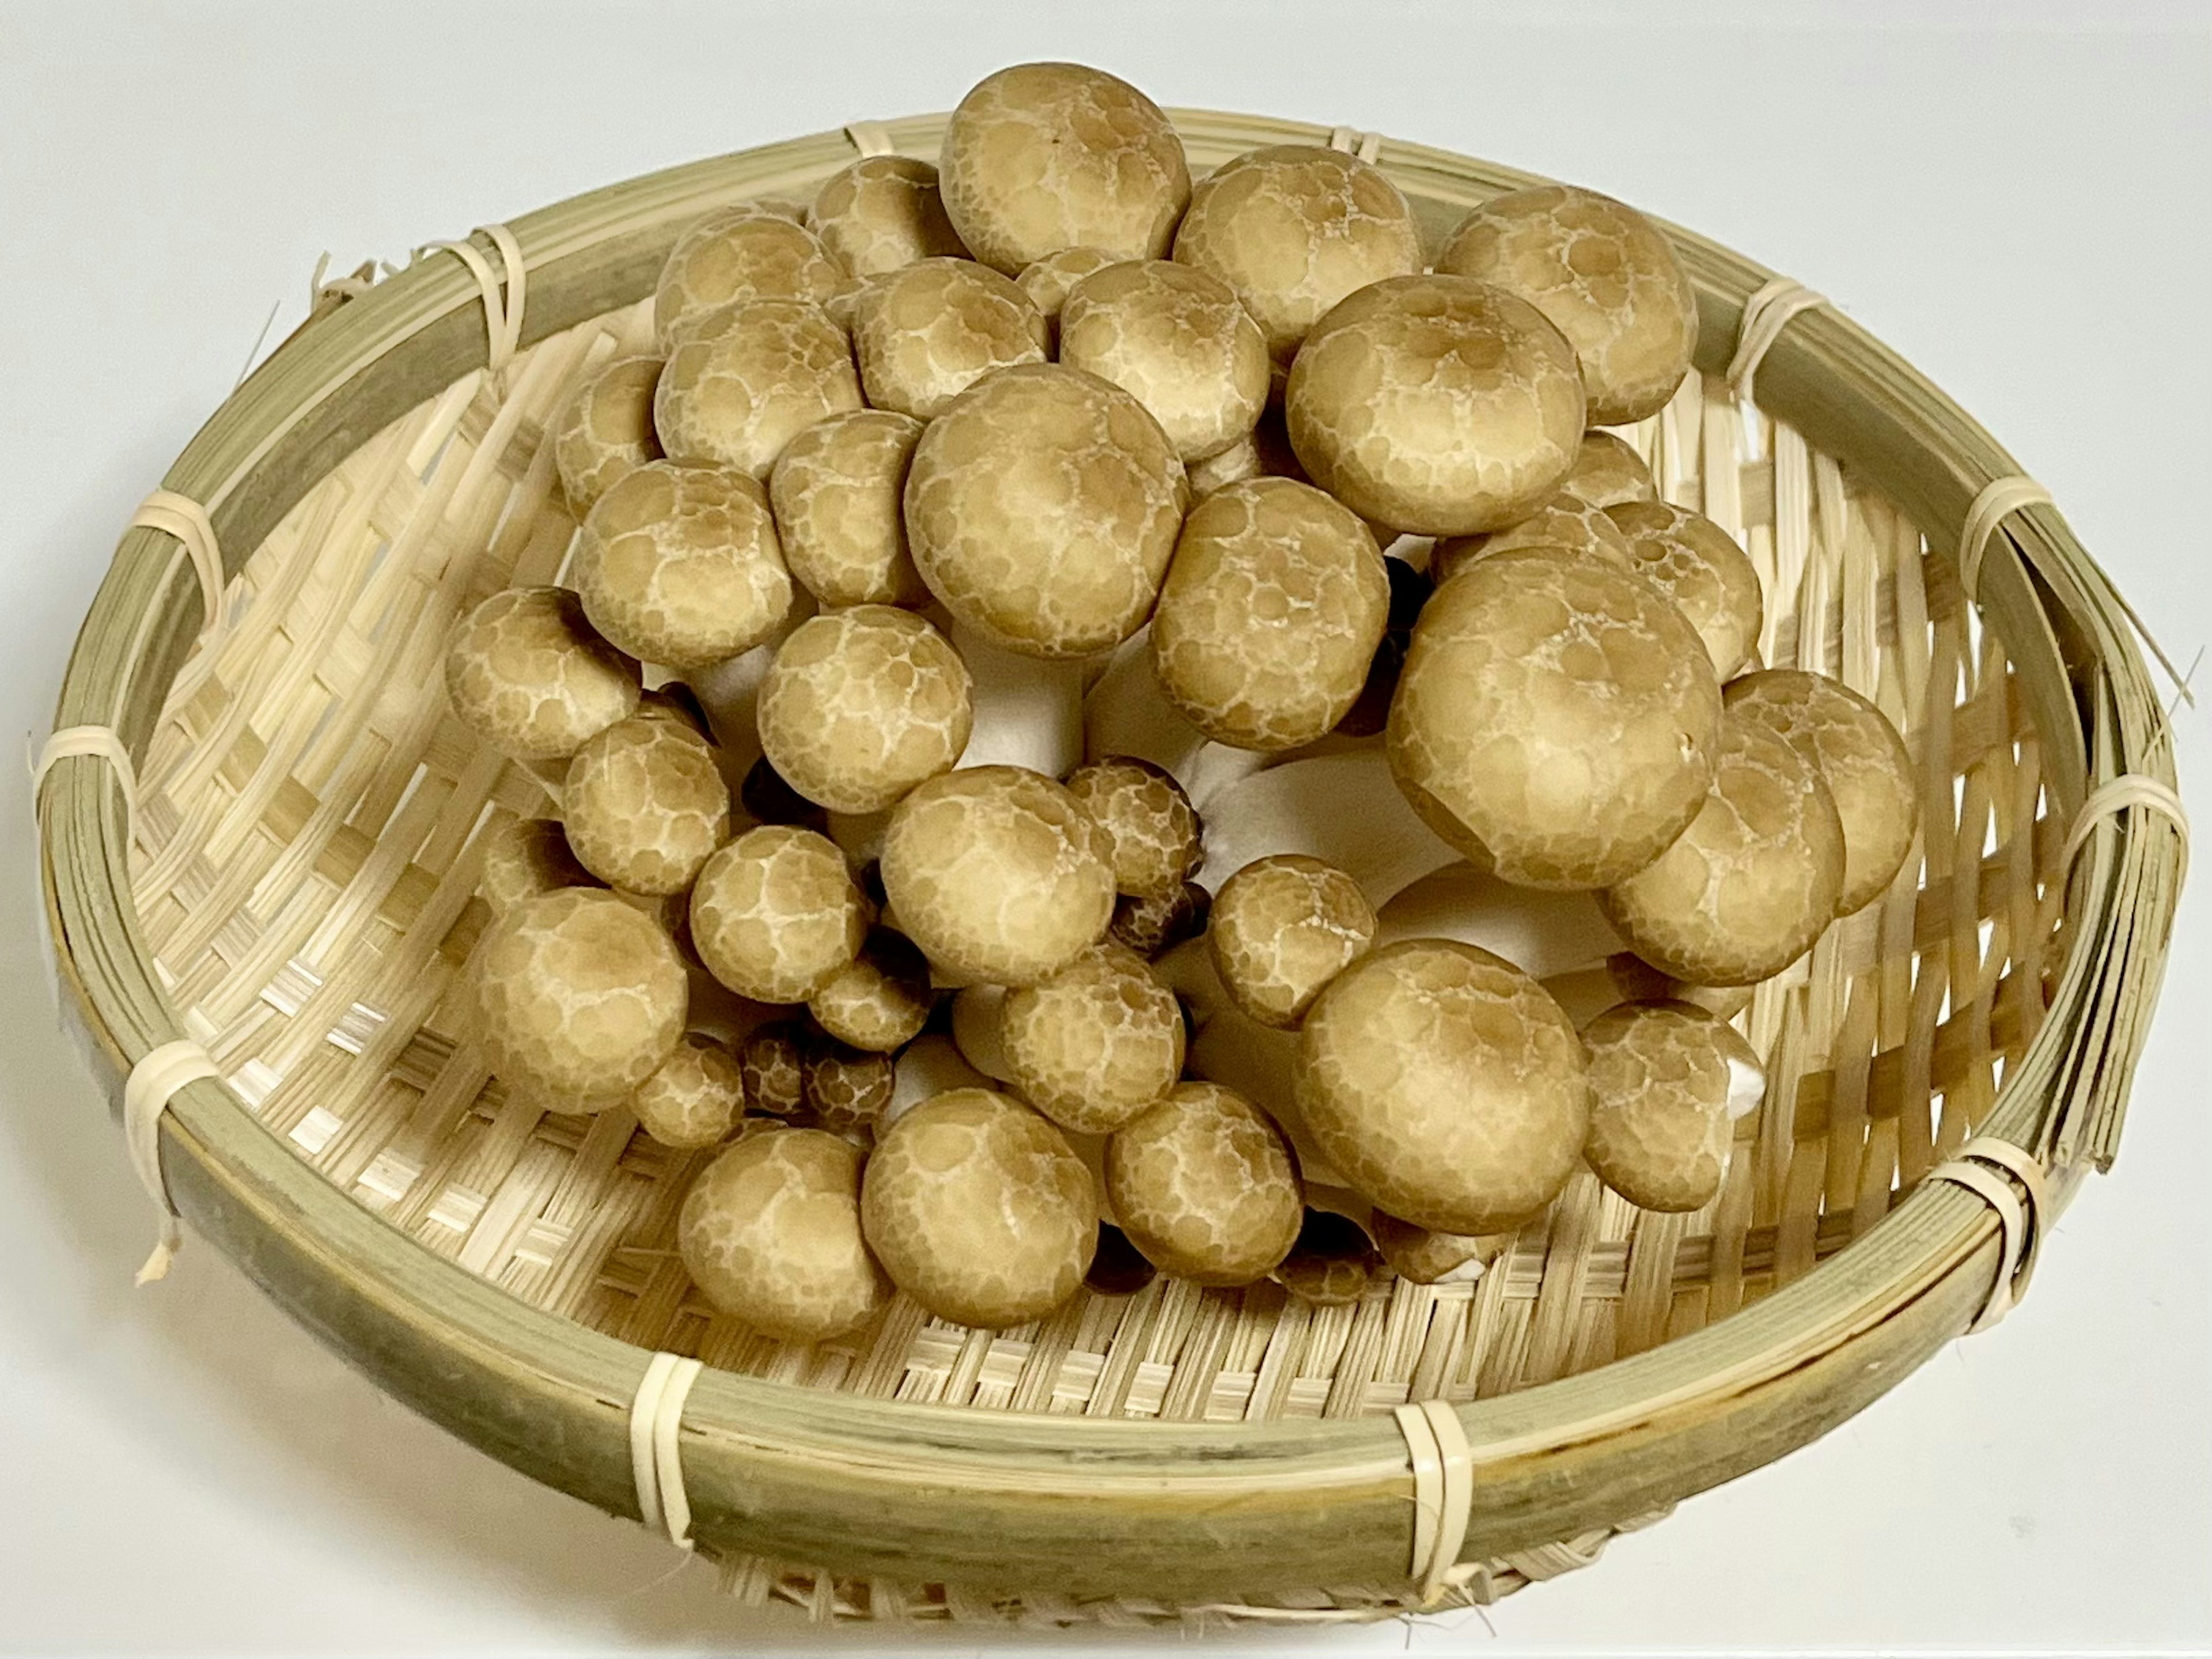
(771,1232)
(880,1000)
(1282,929)
(1203,1183)
(772,1066)
(645,803)
(1332,1263)
(1605,274)
(1270,614)
(1608,471)
(979,1210)
(1152,926)
(883,213)
(527,675)
(1557,719)
(1749,886)
(998,874)
(580,998)
(1663,1075)
(925,334)
(1149,823)
(1174,338)
(1696,563)
(695,1098)
(1445,1085)
(1421,1255)
(847,1088)
(524,858)
(837,489)
(1859,755)
(1050,280)
(775,913)
(861,705)
(680,565)
(1096,1044)
(1041,510)
(754,377)
(1564,520)
(605,429)
(1439,405)
(1292,228)
(1234,464)
(1043,156)
(739,253)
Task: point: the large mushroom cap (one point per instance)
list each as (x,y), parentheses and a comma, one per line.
(770,1233)
(926,334)
(775,913)
(837,491)
(605,429)
(1042,508)
(1204,1185)
(695,1097)
(752,378)
(1097,1044)
(1282,927)
(645,805)
(1445,1085)
(1148,821)
(1044,156)
(1699,565)
(1174,338)
(526,673)
(883,213)
(1438,405)
(1608,471)
(1564,520)
(742,252)
(1557,719)
(1667,1082)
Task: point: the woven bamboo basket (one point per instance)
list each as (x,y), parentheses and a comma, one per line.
(265,878)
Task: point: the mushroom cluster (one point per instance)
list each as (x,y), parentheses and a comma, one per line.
(1095,725)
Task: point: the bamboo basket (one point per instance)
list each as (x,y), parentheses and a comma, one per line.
(276,894)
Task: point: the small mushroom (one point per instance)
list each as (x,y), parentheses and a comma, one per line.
(1150,825)
(775,913)
(1050,280)
(926,334)
(1608,471)
(1696,563)
(526,674)
(880,1000)
(1332,1263)
(1540,931)
(1667,1082)
(605,431)
(695,1097)
(1175,339)
(882,213)
(740,253)
(645,805)
(846,1088)
(526,857)
(1203,1184)
(1282,929)
(1420,1256)
(979,1210)
(1096,1044)
(772,1067)
(1152,926)
(1565,521)
(1341,808)
(771,1234)
(749,379)
(836,491)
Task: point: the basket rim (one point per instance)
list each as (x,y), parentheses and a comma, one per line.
(1325,1500)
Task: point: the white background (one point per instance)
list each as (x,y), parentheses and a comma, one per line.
(2015,197)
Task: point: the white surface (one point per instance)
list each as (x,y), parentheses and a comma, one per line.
(2022,210)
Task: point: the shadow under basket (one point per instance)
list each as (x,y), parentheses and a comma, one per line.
(276,896)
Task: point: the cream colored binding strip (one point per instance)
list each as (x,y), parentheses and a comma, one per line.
(152,1082)
(656,1463)
(2108,800)
(100,740)
(869,137)
(185,519)
(1443,1492)
(1365,146)
(1765,314)
(2021,1224)
(502,311)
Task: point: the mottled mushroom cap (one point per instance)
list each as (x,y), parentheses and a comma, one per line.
(1564,520)
(740,253)
(1445,1085)
(880,1000)
(1421,1255)
(1270,614)
(527,857)
(925,334)
(645,805)
(847,1088)
(526,674)
(1097,1044)
(695,1097)
(1043,157)
(979,1210)
(1439,405)
(580,998)
(681,565)
(998,874)
(1041,510)
(771,1232)
(1234,464)
(1152,926)
(1608,471)
(1859,755)
(775,913)
(1663,1076)
(1293,228)
(1174,338)
(1331,1264)
(605,429)
(1749,886)
(1556,721)
(1696,563)
(883,213)
(861,705)
(1601,271)
(752,378)
(1050,280)
(772,1066)
(1204,1185)
(1282,927)
(1148,820)
(837,491)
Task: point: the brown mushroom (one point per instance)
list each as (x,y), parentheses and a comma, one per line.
(1696,563)
(605,429)
(751,378)
(882,213)
(645,805)
(1204,1185)
(528,676)
(926,334)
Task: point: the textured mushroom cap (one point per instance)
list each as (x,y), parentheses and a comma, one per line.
(1270,615)
(1050,280)
(525,858)
(926,334)
(605,429)
(1859,757)
(753,378)
(1282,929)
(1564,520)
(1042,508)
(695,1097)
(645,803)
(1234,464)
(742,252)
(861,705)
(847,1088)
(1151,926)
(836,489)
(772,1065)
(1293,228)
(1438,405)
(1096,1044)
(1150,825)
(1605,274)
(1662,1078)
(775,913)
(1745,890)
(883,213)
(1044,156)
(1696,563)
(1608,471)
(1445,1085)
(998,874)
(979,1210)
(1557,719)
(1174,338)
(771,1232)
(1332,1263)
(681,565)
(880,1000)
(579,996)
(1421,1255)
(526,674)
(1203,1184)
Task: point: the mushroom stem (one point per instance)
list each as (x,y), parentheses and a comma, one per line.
(1188,970)
(1029,710)
(1539,932)
(976,1011)
(1343,809)
(1125,713)
(730,693)
(929,1066)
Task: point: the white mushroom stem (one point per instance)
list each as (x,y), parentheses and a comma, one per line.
(976,1011)
(1029,711)
(1540,932)
(730,692)
(1255,1060)
(928,1066)
(1343,809)
(1746,1088)
(717,1011)
(1125,713)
